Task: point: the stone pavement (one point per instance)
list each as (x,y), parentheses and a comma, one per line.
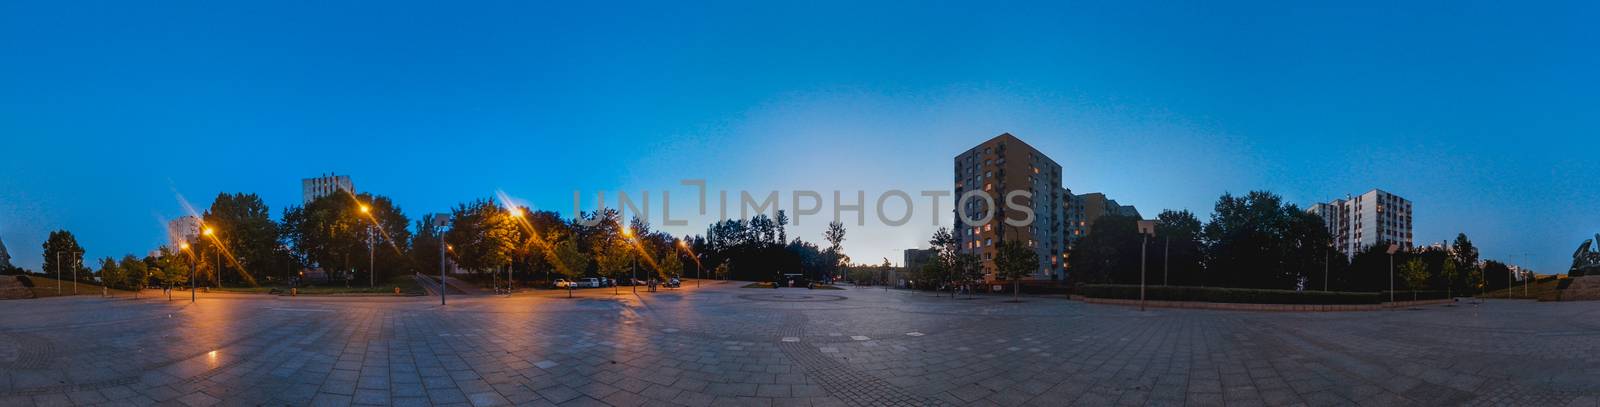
(724,345)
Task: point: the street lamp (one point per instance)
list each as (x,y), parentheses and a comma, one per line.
(511,268)
(1147,229)
(185,247)
(685,246)
(216,267)
(372,253)
(627,232)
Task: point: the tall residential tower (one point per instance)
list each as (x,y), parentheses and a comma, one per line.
(1366,220)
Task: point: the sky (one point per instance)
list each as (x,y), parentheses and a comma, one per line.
(1481,113)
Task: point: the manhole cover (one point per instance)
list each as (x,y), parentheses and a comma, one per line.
(792,297)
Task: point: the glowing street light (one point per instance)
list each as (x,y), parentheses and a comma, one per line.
(627,232)
(372,251)
(185,247)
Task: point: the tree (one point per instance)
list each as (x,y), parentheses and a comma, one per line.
(783,220)
(244,226)
(1014,261)
(943,266)
(1415,274)
(1109,254)
(1257,241)
(835,237)
(615,261)
(570,263)
(172,267)
(1451,273)
(483,236)
(110,274)
(63,246)
(969,267)
(1178,233)
(135,274)
(1464,255)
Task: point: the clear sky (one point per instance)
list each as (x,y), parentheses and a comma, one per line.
(1482,113)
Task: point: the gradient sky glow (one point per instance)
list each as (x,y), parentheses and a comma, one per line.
(1483,114)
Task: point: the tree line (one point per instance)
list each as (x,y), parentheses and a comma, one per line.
(362,237)
(1251,241)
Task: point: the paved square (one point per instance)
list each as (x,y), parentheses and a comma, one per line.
(724,345)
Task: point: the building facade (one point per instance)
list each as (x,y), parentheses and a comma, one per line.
(996,168)
(313,188)
(1084,209)
(183,229)
(916,258)
(1370,219)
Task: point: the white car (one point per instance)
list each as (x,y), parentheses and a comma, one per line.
(590,282)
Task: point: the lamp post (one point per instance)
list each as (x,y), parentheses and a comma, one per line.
(511,269)
(1147,228)
(633,264)
(372,252)
(685,246)
(1392,249)
(185,247)
(77,263)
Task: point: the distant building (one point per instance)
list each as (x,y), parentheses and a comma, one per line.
(183,229)
(997,167)
(313,188)
(916,258)
(1366,220)
(1084,209)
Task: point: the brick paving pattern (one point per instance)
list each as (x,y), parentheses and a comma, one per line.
(725,345)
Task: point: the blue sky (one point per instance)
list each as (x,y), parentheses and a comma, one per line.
(1482,113)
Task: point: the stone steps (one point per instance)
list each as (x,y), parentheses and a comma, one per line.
(12,289)
(1582,289)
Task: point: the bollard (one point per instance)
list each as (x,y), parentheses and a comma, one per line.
(397,291)
(294,292)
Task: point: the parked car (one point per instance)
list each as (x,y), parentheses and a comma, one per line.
(672,283)
(563,283)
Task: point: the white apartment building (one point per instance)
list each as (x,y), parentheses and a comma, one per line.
(313,188)
(1366,220)
(183,229)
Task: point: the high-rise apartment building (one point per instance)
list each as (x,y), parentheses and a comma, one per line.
(183,229)
(313,188)
(997,167)
(1366,220)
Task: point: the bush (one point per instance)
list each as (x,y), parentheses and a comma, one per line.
(26,282)
(1227,295)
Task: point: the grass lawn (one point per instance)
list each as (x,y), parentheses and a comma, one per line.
(1543,291)
(407,286)
(44,287)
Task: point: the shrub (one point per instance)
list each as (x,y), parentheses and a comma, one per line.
(1227,295)
(26,282)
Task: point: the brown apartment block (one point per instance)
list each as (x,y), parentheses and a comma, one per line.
(1004,164)
(997,167)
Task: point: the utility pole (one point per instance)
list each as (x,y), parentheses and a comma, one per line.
(372,260)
